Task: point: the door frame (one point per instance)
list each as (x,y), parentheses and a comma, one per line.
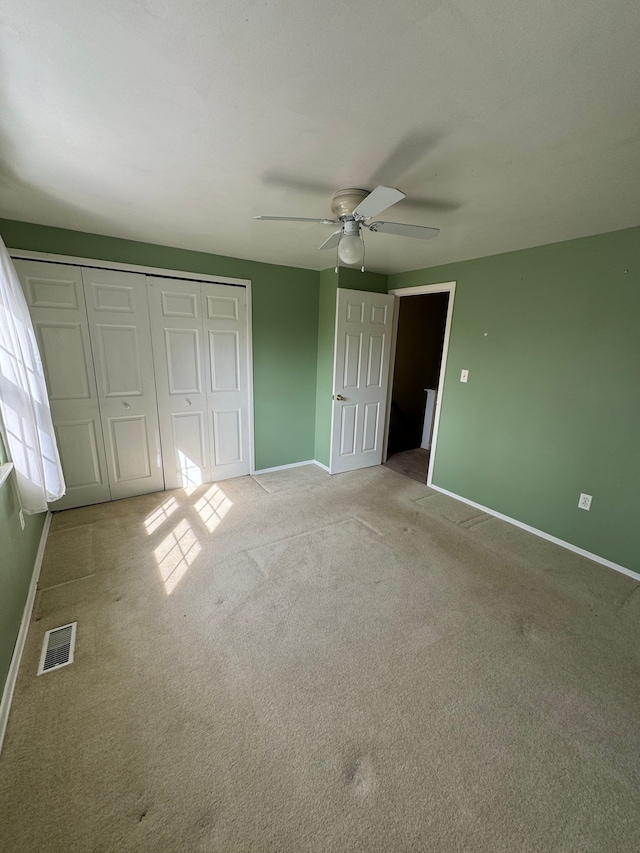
(402,292)
(161,272)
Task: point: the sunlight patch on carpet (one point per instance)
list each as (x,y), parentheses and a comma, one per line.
(212,507)
(157,518)
(175,554)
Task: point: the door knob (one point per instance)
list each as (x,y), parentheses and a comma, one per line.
(188,401)
(339,397)
(126,405)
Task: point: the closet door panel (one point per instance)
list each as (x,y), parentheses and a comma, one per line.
(224,358)
(121,341)
(119,359)
(227,437)
(178,348)
(131,456)
(224,309)
(55,295)
(79,446)
(189,436)
(62,346)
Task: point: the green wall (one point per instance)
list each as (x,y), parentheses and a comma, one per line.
(18,549)
(330,281)
(353,279)
(551,339)
(285,327)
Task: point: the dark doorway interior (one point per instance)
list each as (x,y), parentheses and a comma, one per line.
(421,327)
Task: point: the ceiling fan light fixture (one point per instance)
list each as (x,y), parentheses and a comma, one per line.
(351,249)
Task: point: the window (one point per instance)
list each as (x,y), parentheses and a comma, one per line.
(24,405)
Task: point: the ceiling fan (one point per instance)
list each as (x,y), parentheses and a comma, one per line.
(353,210)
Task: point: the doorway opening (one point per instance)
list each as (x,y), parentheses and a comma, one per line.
(423,318)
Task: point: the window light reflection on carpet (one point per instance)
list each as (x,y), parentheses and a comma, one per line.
(212,507)
(155,519)
(176,553)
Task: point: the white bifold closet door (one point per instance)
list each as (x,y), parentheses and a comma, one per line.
(132,416)
(123,360)
(199,333)
(55,295)
(94,338)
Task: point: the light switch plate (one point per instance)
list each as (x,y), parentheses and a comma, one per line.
(464,375)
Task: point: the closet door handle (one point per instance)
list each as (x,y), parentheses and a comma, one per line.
(188,401)
(126,405)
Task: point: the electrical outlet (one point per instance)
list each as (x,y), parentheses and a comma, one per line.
(585,501)
(464,376)
(21,517)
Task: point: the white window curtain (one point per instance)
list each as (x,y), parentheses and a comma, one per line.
(24,404)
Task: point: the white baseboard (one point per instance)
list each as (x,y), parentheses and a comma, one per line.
(292,465)
(320,465)
(596,559)
(12,675)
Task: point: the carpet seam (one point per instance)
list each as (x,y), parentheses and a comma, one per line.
(66,583)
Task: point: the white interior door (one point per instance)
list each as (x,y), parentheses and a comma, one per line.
(121,341)
(200,335)
(361,375)
(55,295)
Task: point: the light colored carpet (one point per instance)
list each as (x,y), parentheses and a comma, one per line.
(411,463)
(295,662)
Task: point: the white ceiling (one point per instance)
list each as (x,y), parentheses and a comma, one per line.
(507,123)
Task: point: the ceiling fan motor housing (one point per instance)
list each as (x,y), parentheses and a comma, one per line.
(344,202)
(350,227)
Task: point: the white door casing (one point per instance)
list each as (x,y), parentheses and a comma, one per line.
(55,295)
(121,342)
(364,323)
(200,340)
(420,290)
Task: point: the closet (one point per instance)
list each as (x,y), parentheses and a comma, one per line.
(148,378)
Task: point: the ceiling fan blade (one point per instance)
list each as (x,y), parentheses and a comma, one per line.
(298,219)
(333,240)
(420,231)
(378,200)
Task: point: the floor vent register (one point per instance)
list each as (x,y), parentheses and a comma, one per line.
(58,648)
